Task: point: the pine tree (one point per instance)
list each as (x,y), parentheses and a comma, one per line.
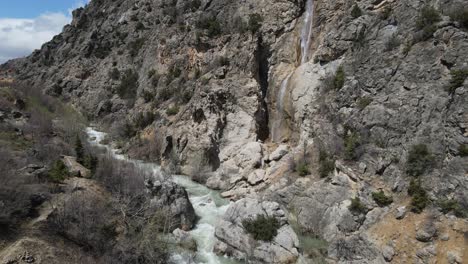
(79,150)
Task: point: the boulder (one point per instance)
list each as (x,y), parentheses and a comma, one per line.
(280,151)
(256,176)
(400,212)
(167,194)
(454,258)
(388,252)
(75,168)
(234,241)
(426,231)
(184,239)
(250,156)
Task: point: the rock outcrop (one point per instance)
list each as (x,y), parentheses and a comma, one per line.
(166,194)
(244,97)
(235,241)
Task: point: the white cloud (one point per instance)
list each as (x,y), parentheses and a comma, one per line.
(78,4)
(19,37)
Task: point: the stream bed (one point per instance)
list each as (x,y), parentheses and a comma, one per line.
(208,205)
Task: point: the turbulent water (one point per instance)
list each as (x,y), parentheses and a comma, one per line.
(208,205)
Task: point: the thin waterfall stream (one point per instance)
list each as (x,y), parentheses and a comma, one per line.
(305,41)
(208,205)
(306,33)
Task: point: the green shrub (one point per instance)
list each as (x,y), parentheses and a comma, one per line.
(239,25)
(193,5)
(419,196)
(392,43)
(222,61)
(381,199)
(164,94)
(352,141)
(140,26)
(339,79)
(327,164)
(356,11)
(262,228)
(204,80)
(58,172)
(386,12)
(463,150)
(458,78)
(79,150)
(461,16)
(427,17)
(147,96)
(127,130)
(363,102)
(419,160)
(451,205)
(174,72)
(114,74)
(155,80)
(90,162)
(144,119)
(356,206)
(426,23)
(172,110)
(128,84)
(135,46)
(302,168)
(187,94)
(211,24)
(254,23)
(151,73)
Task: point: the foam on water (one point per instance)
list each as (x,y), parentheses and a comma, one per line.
(208,205)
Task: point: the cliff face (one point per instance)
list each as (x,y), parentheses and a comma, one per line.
(377,86)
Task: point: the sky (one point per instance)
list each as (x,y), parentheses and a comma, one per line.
(27,24)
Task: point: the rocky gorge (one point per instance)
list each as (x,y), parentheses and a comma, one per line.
(344,121)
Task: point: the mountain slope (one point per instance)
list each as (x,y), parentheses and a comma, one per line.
(245,96)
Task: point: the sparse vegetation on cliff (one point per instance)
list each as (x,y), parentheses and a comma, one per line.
(262,227)
(357,206)
(381,199)
(420,160)
(419,196)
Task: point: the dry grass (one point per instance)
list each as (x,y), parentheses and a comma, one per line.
(403,233)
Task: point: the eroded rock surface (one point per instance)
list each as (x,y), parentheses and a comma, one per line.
(234,241)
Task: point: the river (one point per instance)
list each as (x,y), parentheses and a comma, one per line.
(208,205)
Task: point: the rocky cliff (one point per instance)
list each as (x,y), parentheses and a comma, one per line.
(325,107)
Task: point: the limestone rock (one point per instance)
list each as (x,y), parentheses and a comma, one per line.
(184,239)
(167,194)
(426,232)
(400,212)
(388,252)
(454,258)
(279,152)
(256,176)
(234,241)
(76,168)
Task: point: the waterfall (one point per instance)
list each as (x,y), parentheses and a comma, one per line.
(282,92)
(306,34)
(208,205)
(305,40)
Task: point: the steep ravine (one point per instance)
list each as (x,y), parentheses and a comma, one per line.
(208,205)
(357,93)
